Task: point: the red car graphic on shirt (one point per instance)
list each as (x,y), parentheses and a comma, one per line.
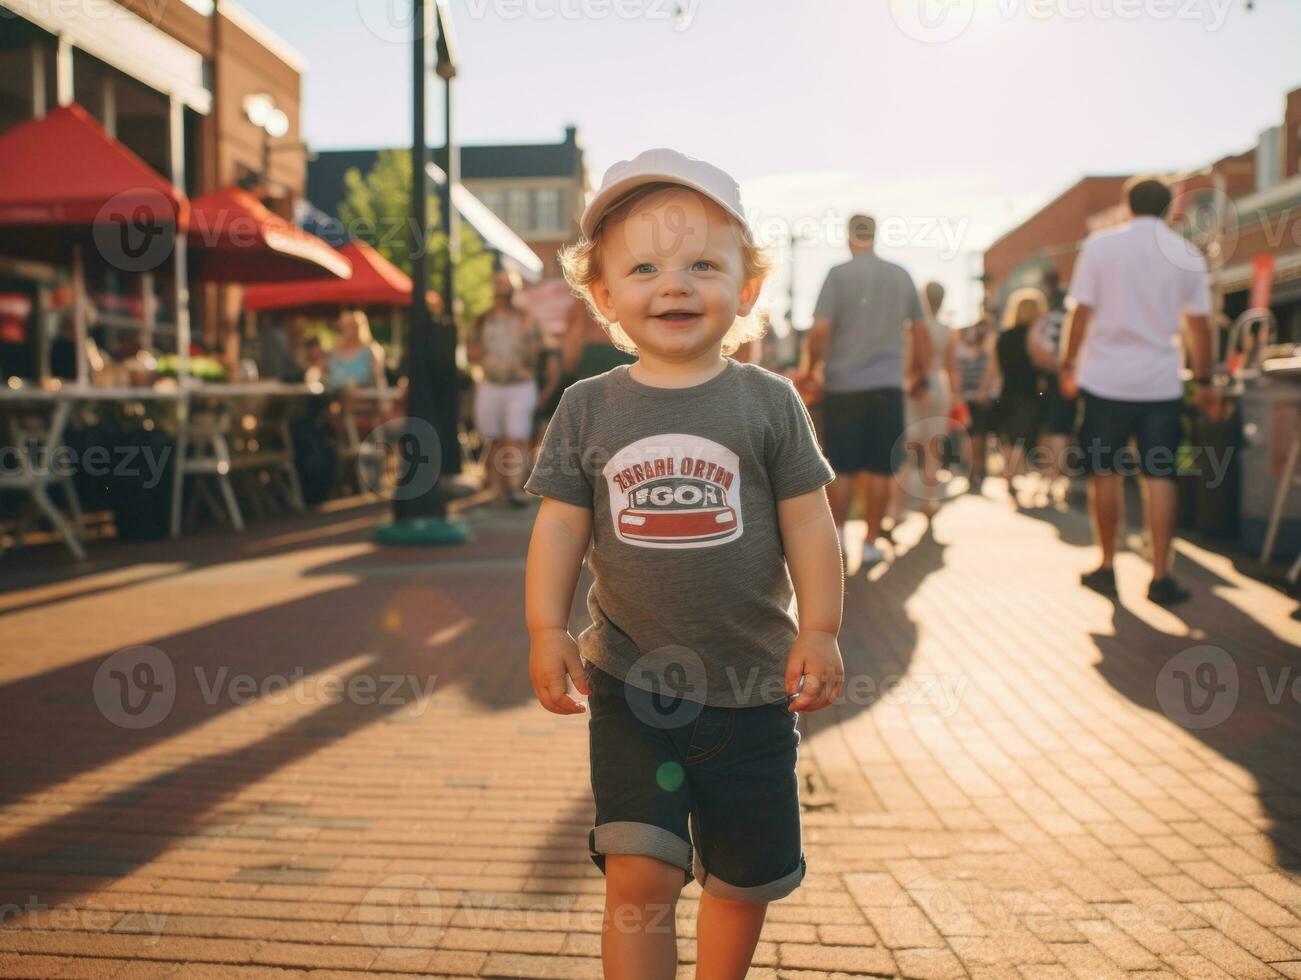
(677,509)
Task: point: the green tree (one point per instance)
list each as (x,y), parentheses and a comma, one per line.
(376,208)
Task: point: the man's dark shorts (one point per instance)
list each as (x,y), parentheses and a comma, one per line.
(728,773)
(1061,414)
(1110,424)
(863,430)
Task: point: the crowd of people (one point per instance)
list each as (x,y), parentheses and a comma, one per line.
(899,398)
(899,390)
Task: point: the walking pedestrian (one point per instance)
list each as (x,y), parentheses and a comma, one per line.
(1135,289)
(856,346)
(1060,414)
(1018,411)
(689,473)
(505,343)
(927,411)
(973,352)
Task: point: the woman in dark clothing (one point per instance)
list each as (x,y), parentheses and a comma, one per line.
(1018,409)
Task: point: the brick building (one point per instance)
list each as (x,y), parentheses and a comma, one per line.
(171,81)
(1236,209)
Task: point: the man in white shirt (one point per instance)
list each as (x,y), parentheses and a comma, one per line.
(1132,287)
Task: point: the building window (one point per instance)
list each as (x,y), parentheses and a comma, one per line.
(517,210)
(493,201)
(546,209)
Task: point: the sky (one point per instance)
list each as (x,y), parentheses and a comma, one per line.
(948,120)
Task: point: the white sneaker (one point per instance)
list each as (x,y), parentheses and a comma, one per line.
(872,555)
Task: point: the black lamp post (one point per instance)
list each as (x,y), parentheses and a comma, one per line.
(426,440)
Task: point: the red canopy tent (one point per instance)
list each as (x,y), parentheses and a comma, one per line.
(65,183)
(375,282)
(64,169)
(234,237)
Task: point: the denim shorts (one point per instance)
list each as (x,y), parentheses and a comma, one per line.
(727,774)
(863,430)
(1109,424)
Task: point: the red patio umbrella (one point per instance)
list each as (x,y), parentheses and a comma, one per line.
(375,282)
(66,184)
(64,169)
(234,237)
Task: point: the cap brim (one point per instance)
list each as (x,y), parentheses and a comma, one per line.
(607,196)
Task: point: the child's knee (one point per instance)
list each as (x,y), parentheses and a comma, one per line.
(641,880)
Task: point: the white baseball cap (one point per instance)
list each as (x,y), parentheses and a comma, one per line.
(663,165)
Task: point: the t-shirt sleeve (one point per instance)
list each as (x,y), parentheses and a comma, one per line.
(559,472)
(825,308)
(795,463)
(1197,297)
(914,299)
(1084,280)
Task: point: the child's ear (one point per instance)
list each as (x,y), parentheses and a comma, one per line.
(600,294)
(750,295)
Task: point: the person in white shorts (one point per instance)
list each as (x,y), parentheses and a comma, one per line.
(505,344)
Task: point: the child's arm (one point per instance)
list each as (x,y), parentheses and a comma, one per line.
(813,555)
(560,538)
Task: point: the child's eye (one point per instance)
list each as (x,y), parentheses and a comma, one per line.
(701,265)
(643,268)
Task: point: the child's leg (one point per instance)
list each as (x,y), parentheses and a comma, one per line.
(639,934)
(727,932)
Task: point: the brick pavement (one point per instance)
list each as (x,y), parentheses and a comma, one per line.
(1006,795)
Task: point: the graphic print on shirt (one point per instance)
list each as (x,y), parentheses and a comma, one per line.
(675,491)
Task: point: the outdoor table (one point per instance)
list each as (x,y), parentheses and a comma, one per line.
(370,401)
(207,443)
(1286,369)
(36,423)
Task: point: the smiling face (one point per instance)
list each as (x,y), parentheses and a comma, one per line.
(672,275)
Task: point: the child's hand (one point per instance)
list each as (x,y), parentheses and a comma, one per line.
(553,654)
(815,656)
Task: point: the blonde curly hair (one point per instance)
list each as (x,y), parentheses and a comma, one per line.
(581,265)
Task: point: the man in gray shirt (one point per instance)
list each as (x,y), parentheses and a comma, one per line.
(857,346)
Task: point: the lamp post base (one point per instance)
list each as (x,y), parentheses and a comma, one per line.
(423,531)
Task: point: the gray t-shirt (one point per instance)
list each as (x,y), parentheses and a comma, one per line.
(869,302)
(692,595)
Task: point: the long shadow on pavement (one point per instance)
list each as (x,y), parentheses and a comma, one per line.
(452,630)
